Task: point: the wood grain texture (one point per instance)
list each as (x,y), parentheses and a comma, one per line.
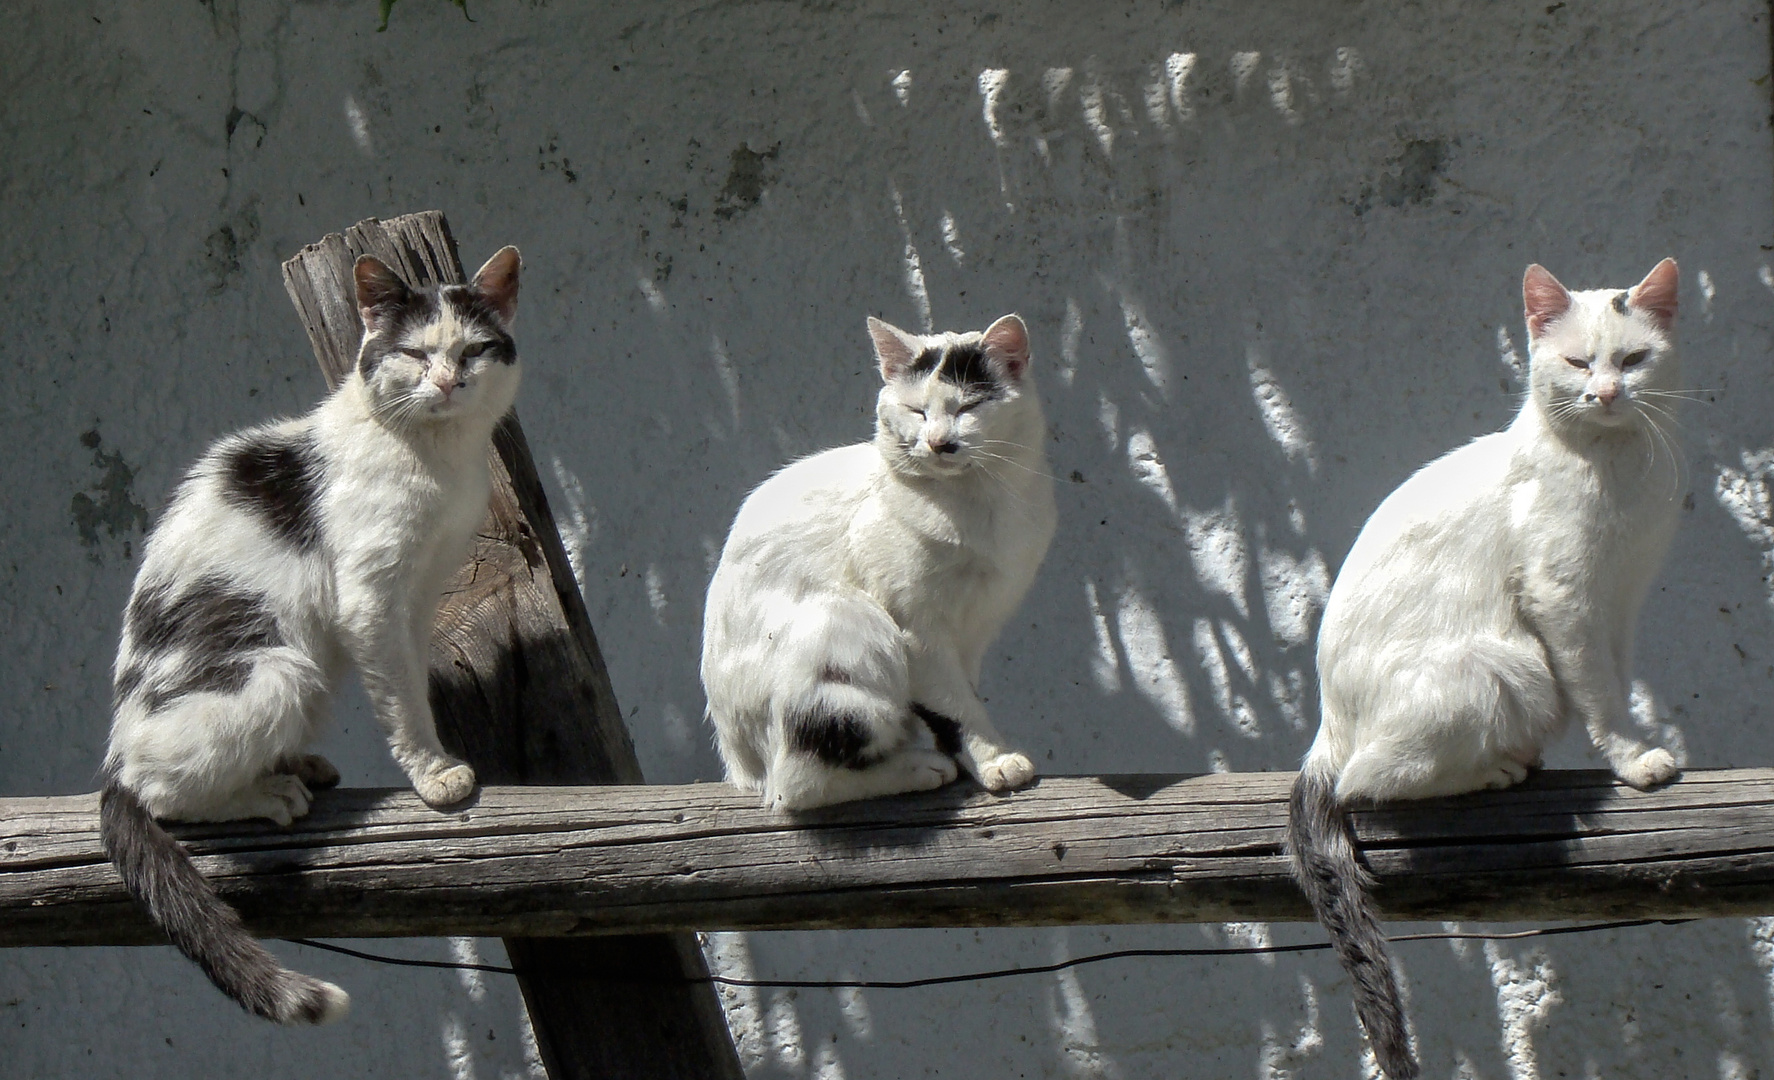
(519,689)
(550,862)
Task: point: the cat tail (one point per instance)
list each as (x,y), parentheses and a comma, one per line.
(1322,850)
(159,873)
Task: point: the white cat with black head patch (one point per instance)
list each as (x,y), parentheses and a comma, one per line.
(1490,600)
(860,588)
(289,553)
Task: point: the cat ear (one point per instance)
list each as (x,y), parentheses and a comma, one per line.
(894,348)
(1656,294)
(496,283)
(1007,342)
(1543,298)
(379,290)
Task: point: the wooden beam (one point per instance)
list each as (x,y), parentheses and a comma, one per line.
(550,862)
(519,690)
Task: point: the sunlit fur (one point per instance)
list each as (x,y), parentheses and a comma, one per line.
(1493,595)
(297,549)
(866,580)
(1490,600)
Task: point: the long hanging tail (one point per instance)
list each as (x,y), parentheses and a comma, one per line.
(161,876)
(1334,881)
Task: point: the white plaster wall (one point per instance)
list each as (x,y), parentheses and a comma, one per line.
(1269,254)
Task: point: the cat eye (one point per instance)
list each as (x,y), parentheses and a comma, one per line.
(476,349)
(416,354)
(919,412)
(1577,362)
(1634,358)
(969,406)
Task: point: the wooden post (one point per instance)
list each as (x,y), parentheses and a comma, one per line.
(520,692)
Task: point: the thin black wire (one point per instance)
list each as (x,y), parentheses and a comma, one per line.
(1003,973)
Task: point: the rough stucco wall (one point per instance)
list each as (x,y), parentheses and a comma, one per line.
(1269,254)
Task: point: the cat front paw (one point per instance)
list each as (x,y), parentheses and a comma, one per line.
(311,769)
(1006,771)
(445,783)
(282,798)
(1508,773)
(1649,769)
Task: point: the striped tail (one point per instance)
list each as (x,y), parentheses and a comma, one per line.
(161,876)
(1334,881)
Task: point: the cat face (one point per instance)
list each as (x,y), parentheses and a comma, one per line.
(946,397)
(432,354)
(1602,356)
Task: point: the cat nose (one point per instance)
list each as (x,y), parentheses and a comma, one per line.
(948,446)
(1607,394)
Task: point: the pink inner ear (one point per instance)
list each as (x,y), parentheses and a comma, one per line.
(1008,341)
(497,282)
(892,351)
(1657,293)
(1543,298)
(377,286)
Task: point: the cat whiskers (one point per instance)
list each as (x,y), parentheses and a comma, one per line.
(1685,395)
(1649,414)
(1011,461)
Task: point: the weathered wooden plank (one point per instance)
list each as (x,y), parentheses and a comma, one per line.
(519,690)
(555,862)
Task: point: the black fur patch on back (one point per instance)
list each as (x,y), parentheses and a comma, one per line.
(946,730)
(278,479)
(215,625)
(212,615)
(840,741)
(963,365)
(213,675)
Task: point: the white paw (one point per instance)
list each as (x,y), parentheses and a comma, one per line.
(313,770)
(1006,771)
(1650,768)
(445,783)
(931,769)
(286,797)
(1508,773)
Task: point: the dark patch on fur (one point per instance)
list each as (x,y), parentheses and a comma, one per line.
(425,306)
(211,675)
(393,320)
(946,730)
(128,681)
(473,308)
(212,616)
(1619,302)
(963,365)
(216,626)
(839,741)
(278,479)
(1329,871)
(835,675)
(161,876)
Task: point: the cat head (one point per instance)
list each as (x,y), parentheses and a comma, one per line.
(440,352)
(947,398)
(1600,356)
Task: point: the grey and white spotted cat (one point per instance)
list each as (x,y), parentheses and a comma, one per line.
(288,553)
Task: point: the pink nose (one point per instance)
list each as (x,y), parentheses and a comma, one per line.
(1607,394)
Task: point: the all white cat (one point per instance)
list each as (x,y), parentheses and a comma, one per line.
(290,552)
(860,588)
(1490,600)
